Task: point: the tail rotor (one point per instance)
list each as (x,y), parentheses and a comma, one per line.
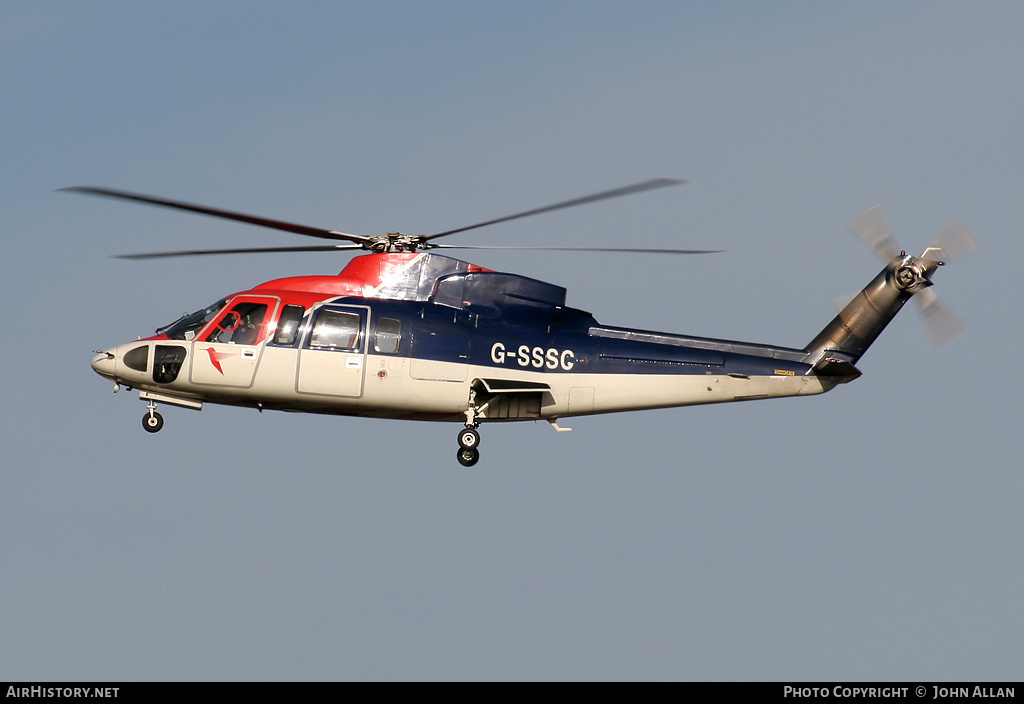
(872,228)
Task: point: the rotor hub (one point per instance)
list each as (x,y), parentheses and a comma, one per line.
(394,242)
(912,274)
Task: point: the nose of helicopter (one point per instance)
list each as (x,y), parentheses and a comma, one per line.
(103,364)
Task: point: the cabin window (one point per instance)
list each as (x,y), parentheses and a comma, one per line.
(240,325)
(336,330)
(388,335)
(288,326)
(167,361)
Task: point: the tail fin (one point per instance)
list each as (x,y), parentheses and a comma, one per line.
(836,349)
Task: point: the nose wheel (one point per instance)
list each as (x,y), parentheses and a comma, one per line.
(468,454)
(152,421)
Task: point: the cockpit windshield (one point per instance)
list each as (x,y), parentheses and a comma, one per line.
(186,327)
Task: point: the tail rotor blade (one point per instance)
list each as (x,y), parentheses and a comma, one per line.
(943,324)
(872,228)
(841,302)
(956,241)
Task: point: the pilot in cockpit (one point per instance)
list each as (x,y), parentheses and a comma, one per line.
(241,326)
(248,331)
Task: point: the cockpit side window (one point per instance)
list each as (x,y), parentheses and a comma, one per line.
(241,325)
(186,327)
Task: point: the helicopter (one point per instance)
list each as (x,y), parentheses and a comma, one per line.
(403,332)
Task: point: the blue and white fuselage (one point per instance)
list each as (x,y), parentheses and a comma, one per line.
(424,337)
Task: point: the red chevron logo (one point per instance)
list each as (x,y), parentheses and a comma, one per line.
(216,356)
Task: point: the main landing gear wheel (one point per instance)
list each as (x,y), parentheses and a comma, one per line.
(469,438)
(468,456)
(152,422)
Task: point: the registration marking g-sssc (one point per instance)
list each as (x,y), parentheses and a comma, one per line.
(537,357)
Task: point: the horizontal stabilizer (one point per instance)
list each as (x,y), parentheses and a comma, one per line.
(836,365)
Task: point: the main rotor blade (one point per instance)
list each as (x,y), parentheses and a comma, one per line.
(203,210)
(588,249)
(244,250)
(614,193)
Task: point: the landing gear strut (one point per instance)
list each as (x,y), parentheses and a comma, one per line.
(469,437)
(152,421)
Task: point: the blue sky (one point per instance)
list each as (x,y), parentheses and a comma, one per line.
(870,533)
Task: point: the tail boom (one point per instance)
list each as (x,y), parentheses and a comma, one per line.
(838,347)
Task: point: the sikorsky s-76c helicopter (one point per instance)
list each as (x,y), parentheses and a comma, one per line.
(406,333)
